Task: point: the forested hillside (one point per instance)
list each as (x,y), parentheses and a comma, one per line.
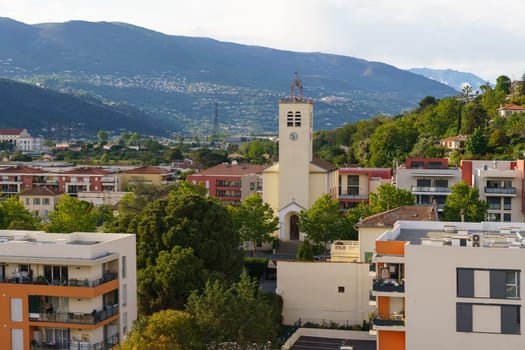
(58,115)
(383,141)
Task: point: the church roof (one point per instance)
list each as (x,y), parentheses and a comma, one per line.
(232,169)
(321,163)
(406,212)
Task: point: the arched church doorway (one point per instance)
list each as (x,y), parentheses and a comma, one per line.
(294,228)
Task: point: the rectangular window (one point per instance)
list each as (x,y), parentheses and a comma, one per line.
(494,203)
(45,201)
(353,185)
(289,119)
(340,289)
(465,283)
(124,323)
(17,339)
(507,203)
(27,201)
(124,267)
(36,201)
(463,317)
(510,319)
(424,183)
(124,295)
(507,217)
(512,284)
(16,309)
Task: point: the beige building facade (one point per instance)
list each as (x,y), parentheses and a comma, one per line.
(324,292)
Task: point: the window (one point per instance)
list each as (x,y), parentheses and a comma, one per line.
(297,118)
(507,203)
(442,183)
(36,201)
(124,267)
(488,318)
(124,323)
(27,201)
(512,284)
(494,203)
(353,185)
(289,119)
(507,217)
(124,295)
(16,309)
(499,284)
(424,183)
(252,186)
(340,289)
(45,201)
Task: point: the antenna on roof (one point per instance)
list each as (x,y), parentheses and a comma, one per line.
(296,84)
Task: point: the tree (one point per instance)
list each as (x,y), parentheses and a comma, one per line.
(476,144)
(240,314)
(391,141)
(168,283)
(103,137)
(503,83)
(323,222)
(205,225)
(305,251)
(255,220)
(164,330)
(388,197)
(14,215)
(464,200)
(72,214)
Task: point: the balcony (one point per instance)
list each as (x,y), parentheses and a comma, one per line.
(500,190)
(430,189)
(388,285)
(67,283)
(362,197)
(389,320)
(76,317)
(63,344)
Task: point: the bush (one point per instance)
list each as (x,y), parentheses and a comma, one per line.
(255,267)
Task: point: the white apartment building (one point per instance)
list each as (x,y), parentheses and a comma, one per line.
(449,286)
(66,291)
(500,183)
(21,140)
(429,179)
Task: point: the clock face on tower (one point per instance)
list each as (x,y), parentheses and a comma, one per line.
(293,136)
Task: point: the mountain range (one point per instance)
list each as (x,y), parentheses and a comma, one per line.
(177,81)
(452,78)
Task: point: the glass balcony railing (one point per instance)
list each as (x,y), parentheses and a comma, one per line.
(501,190)
(431,189)
(388,285)
(65,283)
(393,319)
(75,317)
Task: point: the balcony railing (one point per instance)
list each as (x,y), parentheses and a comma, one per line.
(76,317)
(106,344)
(110,276)
(501,190)
(394,319)
(353,196)
(388,285)
(431,189)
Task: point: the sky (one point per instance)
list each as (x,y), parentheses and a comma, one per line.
(484,37)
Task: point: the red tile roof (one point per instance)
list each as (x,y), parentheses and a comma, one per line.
(21,170)
(407,212)
(455,138)
(232,169)
(42,191)
(511,107)
(11,131)
(87,171)
(145,170)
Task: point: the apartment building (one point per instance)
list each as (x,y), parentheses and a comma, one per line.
(500,183)
(429,179)
(449,285)
(356,183)
(16,179)
(147,175)
(74,291)
(40,201)
(86,179)
(230,183)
